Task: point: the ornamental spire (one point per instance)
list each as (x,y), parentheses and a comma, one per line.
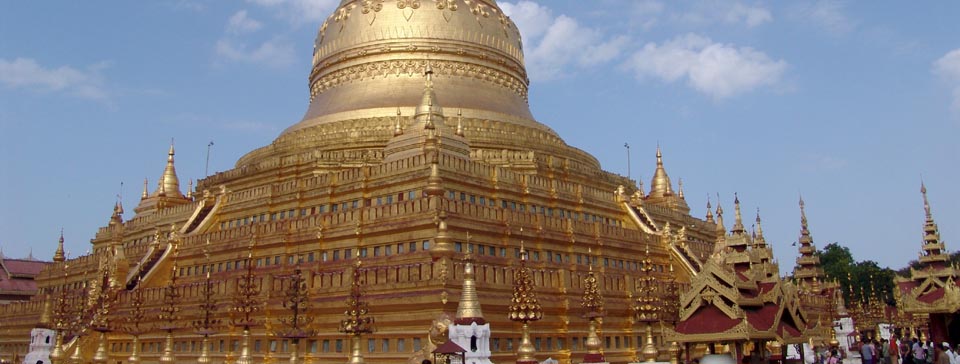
(738,219)
(145,193)
(709,213)
(660,186)
(721,229)
(428,108)
(468,310)
(169,184)
(934,251)
(759,240)
(58,256)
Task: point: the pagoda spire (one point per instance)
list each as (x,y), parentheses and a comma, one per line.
(759,240)
(524,308)
(145,193)
(169,183)
(58,256)
(934,251)
(680,188)
(468,310)
(660,186)
(738,219)
(709,213)
(808,269)
(721,229)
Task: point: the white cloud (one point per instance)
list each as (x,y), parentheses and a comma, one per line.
(707,13)
(554,44)
(750,16)
(271,53)
(948,67)
(241,23)
(716,69)
(300,12)
(26,73)
(645,13)
(827,15)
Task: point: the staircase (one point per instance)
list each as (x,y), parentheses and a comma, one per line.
(154,255)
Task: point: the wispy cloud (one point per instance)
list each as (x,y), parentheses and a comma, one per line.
(948,67)
(272,53)
(232,47)
(240,22)
(26,73)
(827,15)
(556,45)
(706,13)
(716,69)
(300,12)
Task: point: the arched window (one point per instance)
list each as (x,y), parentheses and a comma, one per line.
(473,343)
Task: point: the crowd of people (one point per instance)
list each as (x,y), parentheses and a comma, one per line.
(895,351)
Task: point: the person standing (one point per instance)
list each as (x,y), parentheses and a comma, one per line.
(919,352)
(941,356)
(868,352)
(894,350)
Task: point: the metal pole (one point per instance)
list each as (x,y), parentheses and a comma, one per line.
(625,145)
(206,169)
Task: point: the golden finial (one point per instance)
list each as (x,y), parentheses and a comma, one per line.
(738,219)
(460,122)
(660,186)
(709,212)
(721,230)
(58,256)
(398,128)
(190,189)
(469,307)
(926,203)
(680,188)
(145,193)
(169,184)
(759,232)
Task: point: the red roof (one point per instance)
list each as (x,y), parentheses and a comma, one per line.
(932,296)
(763,319)
(707,319)
(19,267)
(449,347)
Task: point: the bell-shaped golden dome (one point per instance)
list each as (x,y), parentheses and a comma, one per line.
(369,60)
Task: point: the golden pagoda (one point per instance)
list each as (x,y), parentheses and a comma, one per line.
(817,295)
(418,148)
(931,294)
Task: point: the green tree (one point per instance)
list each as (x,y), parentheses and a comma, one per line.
(865,277)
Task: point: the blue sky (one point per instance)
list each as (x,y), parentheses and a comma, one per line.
(848,103)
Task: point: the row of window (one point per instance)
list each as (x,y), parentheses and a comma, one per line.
(383,345)
(533,208)
(324,256)
(320,209)
(552,257)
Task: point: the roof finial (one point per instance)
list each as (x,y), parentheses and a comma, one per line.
(190,189)
(660,186)
(169,183)
(720,228)
(460,122)
(680,188)
(926,203)
(738,219)
(145,193)
(58,256)
(803,217)
(398,129)
(759,228)
(709,212)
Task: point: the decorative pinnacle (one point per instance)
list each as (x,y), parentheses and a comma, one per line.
(524,306)
(145,193)
(460,122)
(398,129)
(759,228)
(680,188)
(926,203)
(709,212)
(738,219)
(469,307)
(58,255)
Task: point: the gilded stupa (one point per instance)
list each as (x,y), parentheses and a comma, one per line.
(418,148)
